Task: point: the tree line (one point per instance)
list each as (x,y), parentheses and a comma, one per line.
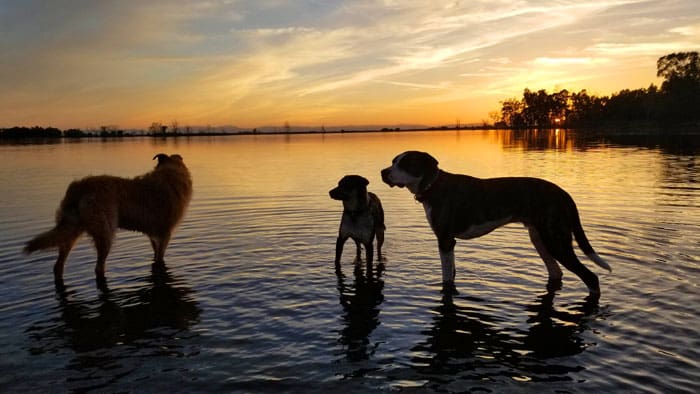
(37,132)
(676,102)
(156,129)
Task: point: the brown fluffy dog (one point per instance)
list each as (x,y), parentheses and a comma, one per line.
(152,204)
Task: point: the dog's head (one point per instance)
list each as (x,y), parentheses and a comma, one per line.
(352,191)
(164,160)
(411,169)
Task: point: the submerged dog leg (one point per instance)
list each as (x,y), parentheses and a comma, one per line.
(159,245)
(103,244)
(559,245)
(380,242)
(447,259)
(370,252)
(553,269)
(63,251)
(358,256)
(339,243)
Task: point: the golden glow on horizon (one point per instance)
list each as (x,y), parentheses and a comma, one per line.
(254,64)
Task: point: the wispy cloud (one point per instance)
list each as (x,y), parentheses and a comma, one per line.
(567,61)
(255,62)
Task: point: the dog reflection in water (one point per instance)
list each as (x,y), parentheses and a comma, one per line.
(153,204)
(361,299)
(362,220)
(150,318)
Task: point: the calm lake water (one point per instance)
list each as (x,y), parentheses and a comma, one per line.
(251,301)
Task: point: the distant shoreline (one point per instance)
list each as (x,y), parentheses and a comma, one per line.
(20,133)
(38,133)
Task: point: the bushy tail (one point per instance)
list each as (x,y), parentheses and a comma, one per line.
(585,246)
(64,233)
(67,227)
(47,240)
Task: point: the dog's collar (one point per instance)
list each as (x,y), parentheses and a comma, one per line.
(427,191)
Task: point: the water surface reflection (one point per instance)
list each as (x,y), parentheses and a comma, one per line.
(252,302)
(468,343)
(361,302)
(106,332)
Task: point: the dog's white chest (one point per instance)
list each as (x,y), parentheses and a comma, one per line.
(477,230)
(359,228)
(474,230)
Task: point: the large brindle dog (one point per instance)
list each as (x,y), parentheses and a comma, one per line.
(461,206)
(153,204)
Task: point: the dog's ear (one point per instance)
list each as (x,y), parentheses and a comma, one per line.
(359,181)
(162,158)
(353,181)
(419,164)
(428,161)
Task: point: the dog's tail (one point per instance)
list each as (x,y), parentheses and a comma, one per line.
(65,233)
(46,240)
(67,228)
(585,246)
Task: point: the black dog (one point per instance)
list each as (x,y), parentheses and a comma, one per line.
(363,217)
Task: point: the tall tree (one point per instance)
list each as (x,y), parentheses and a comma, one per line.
(511,113)
(679,65)
(681,87)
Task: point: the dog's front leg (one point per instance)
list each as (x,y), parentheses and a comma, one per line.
(339,248)
(358,250)
(369,250)
(447,259)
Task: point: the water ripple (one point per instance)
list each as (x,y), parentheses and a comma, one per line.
(250,299)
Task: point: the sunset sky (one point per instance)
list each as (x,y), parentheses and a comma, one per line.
(310,63)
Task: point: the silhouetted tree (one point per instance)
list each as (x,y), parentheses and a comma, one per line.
(585,109)
(175,126)
(678,101)
(544,110)
(512,113)
(681,86)
(33,132)
(73,133)
(680,65)
(157,128)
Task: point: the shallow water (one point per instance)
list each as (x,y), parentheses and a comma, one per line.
(250,300)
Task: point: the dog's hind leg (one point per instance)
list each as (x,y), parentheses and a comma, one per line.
(358,249)
(380,242)
(553,269)
(560,247)
(159,245)
(103,243)
(369,250)
(63,250)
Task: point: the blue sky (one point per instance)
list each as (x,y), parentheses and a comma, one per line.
(252,63)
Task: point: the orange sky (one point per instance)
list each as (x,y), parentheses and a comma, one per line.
(86,64)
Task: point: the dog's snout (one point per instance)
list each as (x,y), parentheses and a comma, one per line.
(386,175)
(335,194)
